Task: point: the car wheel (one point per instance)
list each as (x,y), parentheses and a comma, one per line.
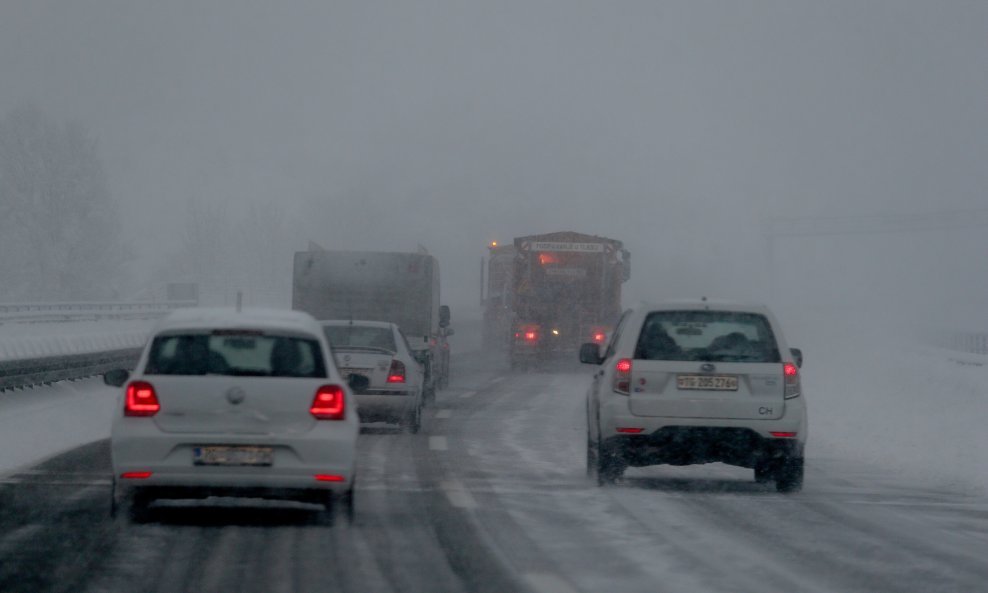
(344,507)
(604,466)
(591,460)
(413,420)
(338,508)
(789,475)
(130,508)
(763,472)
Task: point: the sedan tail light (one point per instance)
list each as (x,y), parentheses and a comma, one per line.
(397,372)
(328,403)
(141,400)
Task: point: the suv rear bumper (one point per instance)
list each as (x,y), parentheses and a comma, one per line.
(688,445)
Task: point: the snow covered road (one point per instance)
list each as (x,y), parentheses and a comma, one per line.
(492,496)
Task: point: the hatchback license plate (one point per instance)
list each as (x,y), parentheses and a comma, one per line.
(229,455)
(707,382)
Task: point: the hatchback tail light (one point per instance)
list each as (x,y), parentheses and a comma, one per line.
(397,372)
(141,400)
(328,403)
(790,374)
(622,376)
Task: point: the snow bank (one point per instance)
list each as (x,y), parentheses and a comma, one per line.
(34,340)
(38,423)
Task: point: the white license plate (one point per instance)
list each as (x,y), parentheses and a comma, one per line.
(707,382)
(230,455)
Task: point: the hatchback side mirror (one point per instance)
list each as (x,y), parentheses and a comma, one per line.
(116,377)
(797,356)
(590,353)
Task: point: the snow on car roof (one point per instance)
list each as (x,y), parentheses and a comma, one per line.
(360,322)
(701,304)
(230,318)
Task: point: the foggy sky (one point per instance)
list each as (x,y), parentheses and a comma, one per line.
(677,127)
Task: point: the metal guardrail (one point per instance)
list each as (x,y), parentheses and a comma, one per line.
(974,343)
(50,369)
(41,370)
(87,311)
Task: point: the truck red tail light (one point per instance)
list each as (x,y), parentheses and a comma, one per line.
(141,400)
(397,372)
(328,403)
(531,336)
(790,374)
(622,376)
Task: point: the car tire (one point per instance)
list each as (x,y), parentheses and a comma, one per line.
(591,460)
(764,472)
(344,506)
(604,466)
(133,508)
(413,420)
(789,475)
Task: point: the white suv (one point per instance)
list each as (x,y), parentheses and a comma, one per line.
(234,403)
(685,383)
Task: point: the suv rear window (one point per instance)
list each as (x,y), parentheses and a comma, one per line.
(716,336)
(235,353)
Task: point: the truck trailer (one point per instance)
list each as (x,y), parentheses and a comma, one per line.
(547,294)
(402,288)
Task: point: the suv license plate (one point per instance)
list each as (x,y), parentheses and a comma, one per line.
(707,382)
(228,455)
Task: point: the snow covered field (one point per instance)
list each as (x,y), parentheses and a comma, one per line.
(881,396)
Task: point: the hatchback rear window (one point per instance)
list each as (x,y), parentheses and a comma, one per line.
(715,336)
(350,336)
(235,353)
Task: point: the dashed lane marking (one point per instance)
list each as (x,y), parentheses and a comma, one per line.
(468,394)
(438,443)
(458,495)
(444,413)
(545,582)
(497,379)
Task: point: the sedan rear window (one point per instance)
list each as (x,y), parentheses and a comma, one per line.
(357,336)
(235,353)
(716,336)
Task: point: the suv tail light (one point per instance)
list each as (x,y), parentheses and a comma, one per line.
(141,400)
(397,372)
(622,376)
(328,404)
(790,374)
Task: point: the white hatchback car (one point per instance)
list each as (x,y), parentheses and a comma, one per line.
(697,382)
(234,403)
(379,352)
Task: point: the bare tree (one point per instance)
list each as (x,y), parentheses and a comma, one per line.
(59,232)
